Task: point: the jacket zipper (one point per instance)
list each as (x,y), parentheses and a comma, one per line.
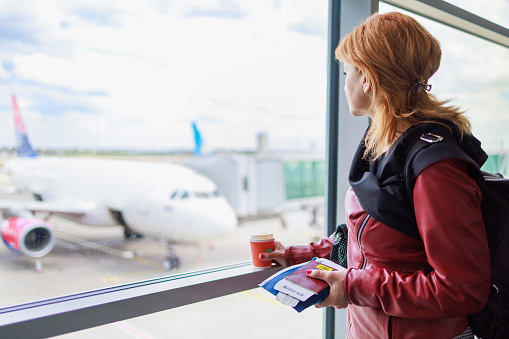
(361,229)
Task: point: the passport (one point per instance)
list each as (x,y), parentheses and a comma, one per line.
(301,278)
(292,293)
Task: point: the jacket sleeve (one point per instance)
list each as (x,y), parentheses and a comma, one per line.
(447,207)
(300,253)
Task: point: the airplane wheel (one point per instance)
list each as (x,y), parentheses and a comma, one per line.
(171,263)
(128,234)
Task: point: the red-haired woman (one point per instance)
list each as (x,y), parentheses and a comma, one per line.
(403,284)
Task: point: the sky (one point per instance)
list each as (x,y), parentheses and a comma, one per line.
(135,74)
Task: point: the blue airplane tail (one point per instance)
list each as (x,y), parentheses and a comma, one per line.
(22,143)
(198,142)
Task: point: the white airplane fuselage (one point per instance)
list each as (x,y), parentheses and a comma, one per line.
(156,199)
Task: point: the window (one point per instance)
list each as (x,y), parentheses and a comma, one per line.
(80,246)
(202,195)
(205,94)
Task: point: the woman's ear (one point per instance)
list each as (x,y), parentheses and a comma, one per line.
(366,84)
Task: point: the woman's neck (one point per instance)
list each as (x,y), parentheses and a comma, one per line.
(401,128)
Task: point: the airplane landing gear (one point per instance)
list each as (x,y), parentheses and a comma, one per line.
(171,262)
(129,234)
(38,265)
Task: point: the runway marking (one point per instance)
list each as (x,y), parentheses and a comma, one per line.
(118,277)
(252,294)
(132,331)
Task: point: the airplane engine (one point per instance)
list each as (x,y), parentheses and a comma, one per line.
(29,236)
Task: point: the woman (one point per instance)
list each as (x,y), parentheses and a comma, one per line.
(397,285)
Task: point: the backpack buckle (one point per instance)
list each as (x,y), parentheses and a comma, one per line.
(431,138)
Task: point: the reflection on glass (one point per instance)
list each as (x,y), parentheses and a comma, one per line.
(216,111)
(474,73)
(250,314)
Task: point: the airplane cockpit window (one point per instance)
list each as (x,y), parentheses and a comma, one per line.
(185,194)
(202,195)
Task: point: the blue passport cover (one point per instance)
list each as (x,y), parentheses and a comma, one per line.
(269,284)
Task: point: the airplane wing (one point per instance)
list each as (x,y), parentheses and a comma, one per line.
(42,206)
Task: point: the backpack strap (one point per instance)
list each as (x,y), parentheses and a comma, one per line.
(385,188)
(428,150)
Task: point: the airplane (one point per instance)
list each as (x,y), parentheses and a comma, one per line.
(161,200)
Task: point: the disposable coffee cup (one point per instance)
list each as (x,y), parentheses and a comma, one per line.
(261,243)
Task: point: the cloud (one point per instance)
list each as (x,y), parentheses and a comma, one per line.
(13,28)
(20,31)
(223,9)
(4,69)
(98,13)
(306,27)
(311,23)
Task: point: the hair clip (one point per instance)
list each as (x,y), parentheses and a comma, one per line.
(421,85)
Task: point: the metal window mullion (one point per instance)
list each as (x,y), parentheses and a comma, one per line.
(332,129)
(453,16)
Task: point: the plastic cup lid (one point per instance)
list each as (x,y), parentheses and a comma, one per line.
(262,236)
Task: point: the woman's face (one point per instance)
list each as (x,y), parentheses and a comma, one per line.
(355,85)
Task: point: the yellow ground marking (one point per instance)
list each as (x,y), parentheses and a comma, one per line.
(267,298)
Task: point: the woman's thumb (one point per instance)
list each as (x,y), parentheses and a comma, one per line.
(317,274)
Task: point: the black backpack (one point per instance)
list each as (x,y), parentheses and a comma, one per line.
(493,321)
(424,145)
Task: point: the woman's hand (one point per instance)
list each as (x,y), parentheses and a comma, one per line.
(278,255)
(335,280)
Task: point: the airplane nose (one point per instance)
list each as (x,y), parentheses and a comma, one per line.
(218,220)
(226,216)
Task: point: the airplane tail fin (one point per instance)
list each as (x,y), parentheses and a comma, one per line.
(23,145)
(198,142)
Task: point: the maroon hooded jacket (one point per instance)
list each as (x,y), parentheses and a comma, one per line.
(400,287)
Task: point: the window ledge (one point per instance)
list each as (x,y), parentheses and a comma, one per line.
(75,312)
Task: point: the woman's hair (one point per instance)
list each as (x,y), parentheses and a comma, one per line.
(398,56)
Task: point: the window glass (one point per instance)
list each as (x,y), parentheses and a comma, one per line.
(138,102)
(474,73)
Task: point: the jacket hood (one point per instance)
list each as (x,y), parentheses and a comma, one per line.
(472,147)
